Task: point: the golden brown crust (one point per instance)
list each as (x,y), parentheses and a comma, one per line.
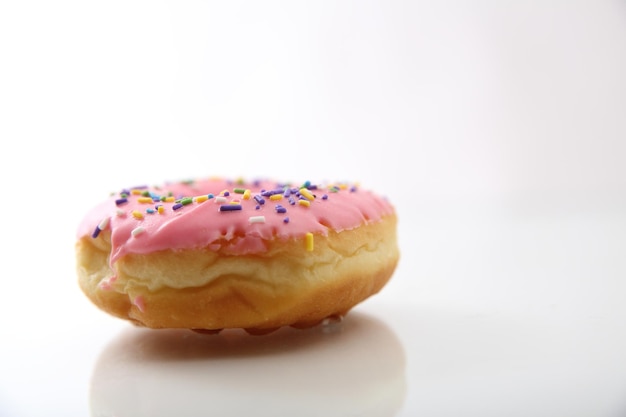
(209,290)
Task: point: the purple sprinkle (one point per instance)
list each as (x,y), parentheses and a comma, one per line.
(226,193)
(292,201)
(287,193)
(312,187)
(230,207)
(286,220)
(259,199)
(257,207)
(280,209)
(352,189)
(121,201)
(96,232)
(325,197)
(125,191)
(177,206)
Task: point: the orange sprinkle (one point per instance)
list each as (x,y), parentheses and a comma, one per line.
(309,241)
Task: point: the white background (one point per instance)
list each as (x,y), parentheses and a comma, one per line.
(498,130)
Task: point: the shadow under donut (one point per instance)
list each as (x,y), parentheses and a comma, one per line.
(354,367)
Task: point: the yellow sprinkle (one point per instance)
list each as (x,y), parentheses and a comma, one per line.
(201,198)
(307,194)
(343,186)
(137,214)
(161,209)
(276,197)
(305,203)
(309,241)
(235,202)
(136,192)
(169,199)
(246,194)
(145,200)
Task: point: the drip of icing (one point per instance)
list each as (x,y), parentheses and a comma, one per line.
(181,215)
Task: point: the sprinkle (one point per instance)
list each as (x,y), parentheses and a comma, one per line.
(145,200)
(287,192)
(230,207)
(104,223)
(276,197)
(186,200)
(259,199)
(137,231)
(120,213)
(292,201)
(307,194)
(309,241)
(325,197)
(220,200)
(135,192)
(150,211)
(257,207)
(121,201)
(306,184)
(201,198)
(280,209)
(137,214)
(225,193)
(247,194)
(160,209)
(210,196)
(286,220)
(305,203)
(256,219)
(334,189)
(352,189)
(239,190)
(169,199)
(96,232)
(177,206)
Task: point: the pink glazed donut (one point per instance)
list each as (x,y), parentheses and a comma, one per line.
(210,254)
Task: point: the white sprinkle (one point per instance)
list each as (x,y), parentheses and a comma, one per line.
(121,213)
(257,219)
(104,223)
(137,231)
(220,200)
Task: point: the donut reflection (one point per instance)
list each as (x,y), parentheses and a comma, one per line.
(354,367)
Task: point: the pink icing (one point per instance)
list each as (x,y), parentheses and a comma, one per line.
(202,224)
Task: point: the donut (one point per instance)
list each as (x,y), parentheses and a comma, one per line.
(209,254)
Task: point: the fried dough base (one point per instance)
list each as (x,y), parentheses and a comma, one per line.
(205,289)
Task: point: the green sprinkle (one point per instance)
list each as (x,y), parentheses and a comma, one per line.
(186,200)
(239,190)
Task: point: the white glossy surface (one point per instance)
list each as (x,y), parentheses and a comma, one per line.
(497,131)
